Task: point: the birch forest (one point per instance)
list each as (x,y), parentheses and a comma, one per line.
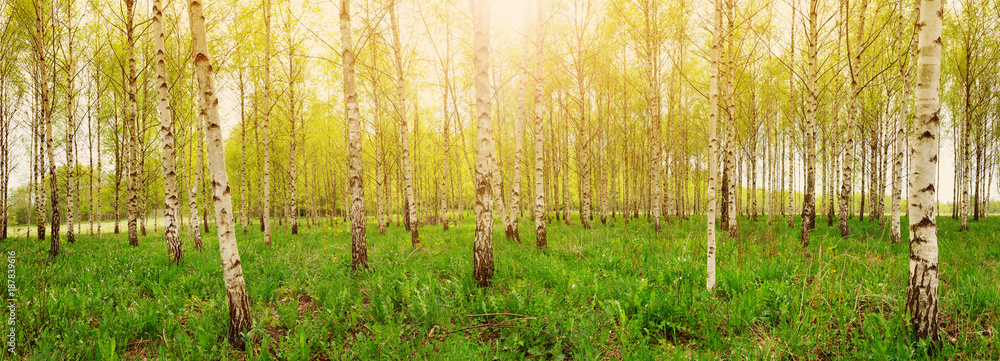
(500,179)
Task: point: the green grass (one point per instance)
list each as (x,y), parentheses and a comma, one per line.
(617,291)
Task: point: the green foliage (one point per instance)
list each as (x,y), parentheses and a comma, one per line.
(615,292)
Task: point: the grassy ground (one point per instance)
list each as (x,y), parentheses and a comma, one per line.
(606,293)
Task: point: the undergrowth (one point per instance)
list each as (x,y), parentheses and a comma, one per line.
(617,291)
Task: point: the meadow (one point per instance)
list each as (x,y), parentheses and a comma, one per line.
(617,291)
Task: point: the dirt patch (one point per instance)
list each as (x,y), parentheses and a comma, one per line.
(487,335)
(137,350)
(276,333)
(612,353)
(307,304)
(360,329)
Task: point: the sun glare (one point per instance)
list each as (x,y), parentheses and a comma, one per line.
(511,15)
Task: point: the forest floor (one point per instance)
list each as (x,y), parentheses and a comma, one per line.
(611,292)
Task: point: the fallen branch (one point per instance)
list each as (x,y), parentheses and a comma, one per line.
(496,314)
(497,325)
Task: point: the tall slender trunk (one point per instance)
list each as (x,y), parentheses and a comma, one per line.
(905,73)
(380,176)
(404,132)
(100,165)
(236,289)
(34,191)
(265,126)
(174,249)
(812,73)
(131,128)
(46,106)
(539,82)
(713,144)
(90,161)
(963,179)
(565,171)
(513,214)
(446,158)
(293,166)
(70,132)
(653,107)
(359,253)
(482,251)
(193,195)
(922,288)
(730,104)
(555,155)
(244,183)
(847,176)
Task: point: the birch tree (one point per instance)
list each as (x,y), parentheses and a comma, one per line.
(293,169)
(906,74)
(359,247)
(847,175)
(482,251)
(232,270)
(404,132)
(809,141)
(70,144)
(713,144)
(922,288)
(46,110)
(539,82)
(174,249)
(131,128)
(265,124)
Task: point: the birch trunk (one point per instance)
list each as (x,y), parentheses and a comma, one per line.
(100,166)
(446,161)
(922,288)
(244,184)
(713,145)
(174,249)
(812,73)
(293,165)
(565,175)
(132,131)
(513,214)
(359,253)
(482,252)
(404,131)
(731,118)
(236,289)
(38,133)
(47,121)
(265,126)
(847,176)
(540,236)
(906,73)
(70,132)
(90,161)
(653,109)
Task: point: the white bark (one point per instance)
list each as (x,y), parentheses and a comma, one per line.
(713,145)
(540,237)
(922,288)
(174,248)
(131,126)
(482,252)
(265,124)
(404,131)
(236,290)
(359,247)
